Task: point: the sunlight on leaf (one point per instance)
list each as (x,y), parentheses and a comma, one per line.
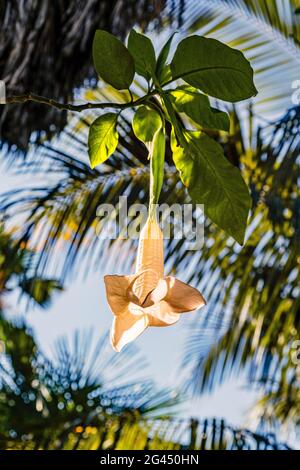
(196,105)
(103,138)
(145,123)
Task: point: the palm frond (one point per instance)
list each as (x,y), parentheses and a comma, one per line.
(83,384)
(17,265)
(69,402)
(279,407)
(54,41)
(257,292)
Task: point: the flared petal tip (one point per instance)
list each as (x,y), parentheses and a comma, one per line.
(116,347)
(125,329)
(182,297)
(201,302)
(116,343)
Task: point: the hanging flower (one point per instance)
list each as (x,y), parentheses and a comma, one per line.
(147,298)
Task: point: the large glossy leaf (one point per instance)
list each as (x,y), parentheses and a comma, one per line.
(214,68)
(162,59)
(145,123)
(112,60)
(143,53)
(103,138)
(213,181)
(196,105)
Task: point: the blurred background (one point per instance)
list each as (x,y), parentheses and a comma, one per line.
(225,377)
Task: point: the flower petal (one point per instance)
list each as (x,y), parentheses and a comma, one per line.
(144,283)
(181,297)
(154,321)
(159,293)
(116,292)
(126,328)
(159,311)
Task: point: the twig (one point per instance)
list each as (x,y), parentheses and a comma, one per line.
(74,107)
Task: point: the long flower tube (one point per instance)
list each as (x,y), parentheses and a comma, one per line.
(148,298)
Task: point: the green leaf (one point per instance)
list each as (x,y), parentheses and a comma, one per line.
(157,161)
(213,181)
(103,138)
(143,53)
(145,123)
(112,60)
(196,105)
(162,59)
(214,68)
(166,74)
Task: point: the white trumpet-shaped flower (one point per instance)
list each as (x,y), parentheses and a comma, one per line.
(147,298)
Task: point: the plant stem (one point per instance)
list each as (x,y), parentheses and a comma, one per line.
(75,107)
(177,127)
(151,206)
(157,159)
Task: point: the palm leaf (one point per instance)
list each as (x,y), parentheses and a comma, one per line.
(256,294)
(83,384)
(17,268)
(69,402)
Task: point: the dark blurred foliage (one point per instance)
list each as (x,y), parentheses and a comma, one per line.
(17,273)
(45,47)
